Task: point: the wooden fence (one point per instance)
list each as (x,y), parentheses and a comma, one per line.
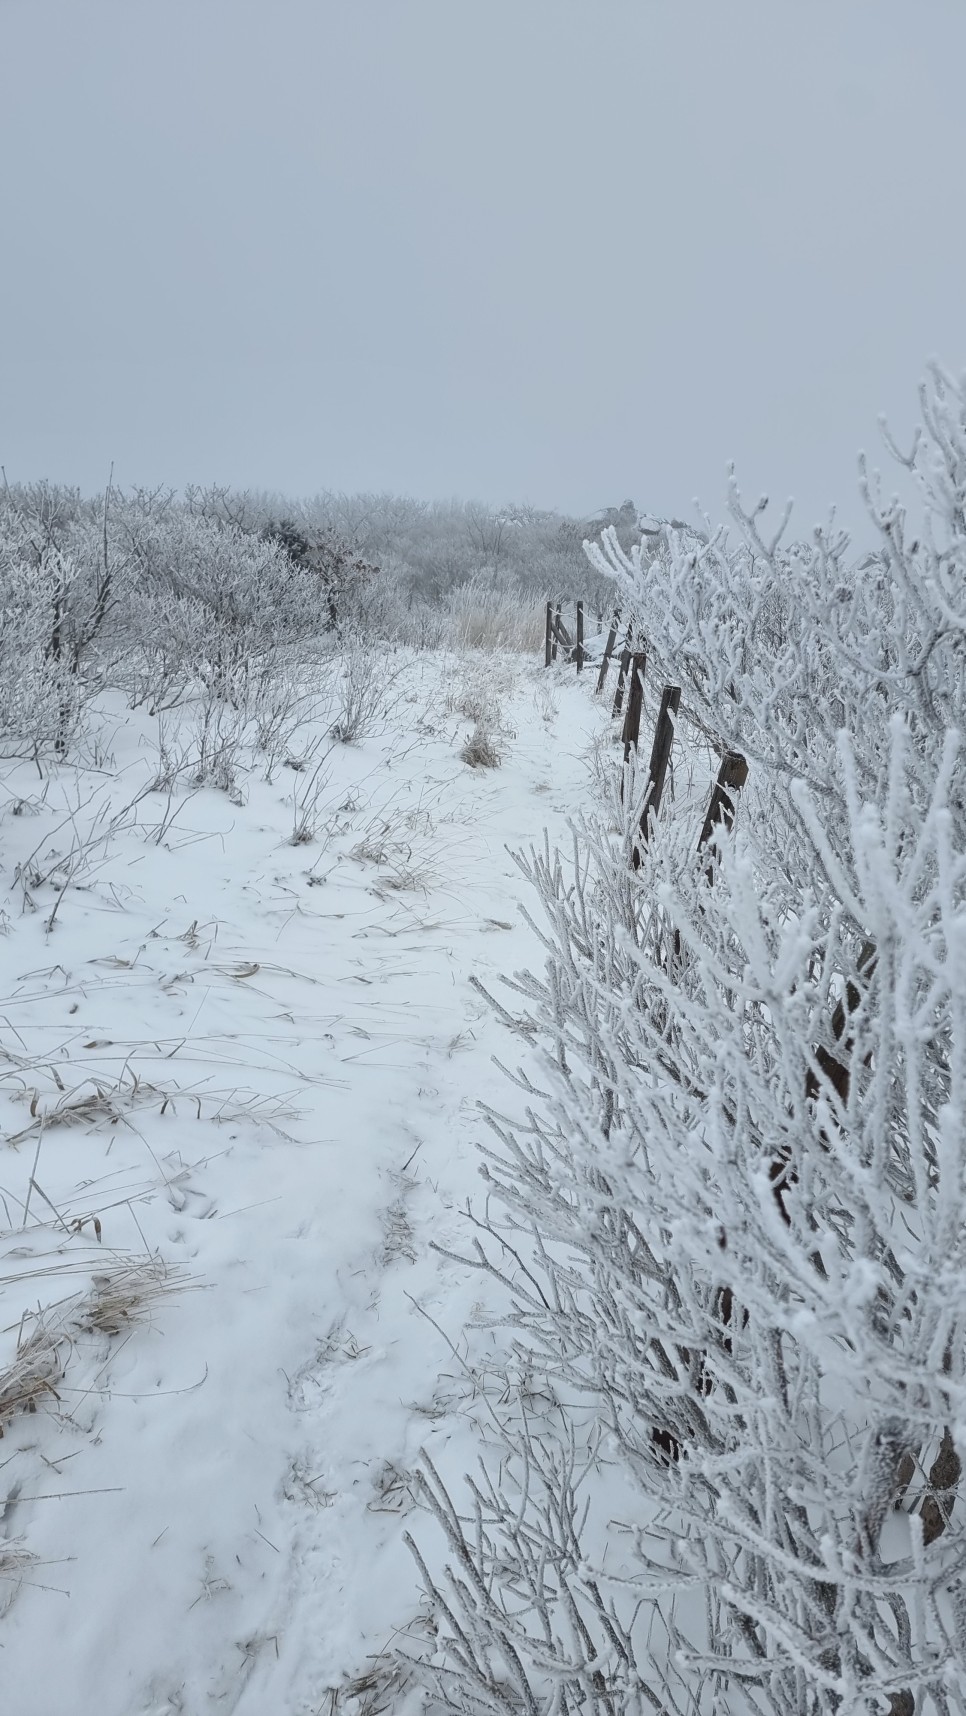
(632,663)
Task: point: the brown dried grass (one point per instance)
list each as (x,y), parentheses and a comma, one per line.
(120,1297)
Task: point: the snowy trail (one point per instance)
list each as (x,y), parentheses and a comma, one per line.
(288,1050)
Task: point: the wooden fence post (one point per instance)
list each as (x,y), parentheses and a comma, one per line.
(661,749)
(580,636)
(556,623)
(635,701)
(660,759)
(625,663)
(608,652)
(548,641)
(732,776)
(560,633)
(836,1068)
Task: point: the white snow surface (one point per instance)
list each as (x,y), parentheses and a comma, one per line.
(257,1064)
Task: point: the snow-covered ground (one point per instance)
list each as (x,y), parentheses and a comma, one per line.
(239,1087)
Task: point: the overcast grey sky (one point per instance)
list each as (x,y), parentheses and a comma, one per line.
(561,251)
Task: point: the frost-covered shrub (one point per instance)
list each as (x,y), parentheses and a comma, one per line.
(58,585)
(213,609)
(388,608)
(72,542)
(733,1229)
(41,698)
(362,692)
(344,578)
(780,649)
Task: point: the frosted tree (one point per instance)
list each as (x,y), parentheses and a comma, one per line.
(213,607)
(57,579)
(42,698)
(732,1232)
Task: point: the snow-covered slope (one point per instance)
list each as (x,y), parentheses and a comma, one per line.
(239,1080)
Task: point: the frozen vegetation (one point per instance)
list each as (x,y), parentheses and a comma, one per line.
(467,1245)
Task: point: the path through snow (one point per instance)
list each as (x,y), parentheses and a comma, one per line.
(258,1062)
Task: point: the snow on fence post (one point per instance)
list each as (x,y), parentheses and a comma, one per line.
(632,720)
(732,776)
(658,766)
(561,635)
(608,652)
(580,636)
(625,663)
(548,641)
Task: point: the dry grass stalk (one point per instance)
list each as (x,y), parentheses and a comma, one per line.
(15,1562)
(125,1296)
(14,1559)
(481,751)
(372,1693)
(35,1372)
(102,1101)
(94,1100)
(119,1298)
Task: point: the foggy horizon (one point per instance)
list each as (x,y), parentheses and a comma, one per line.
(547,255)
